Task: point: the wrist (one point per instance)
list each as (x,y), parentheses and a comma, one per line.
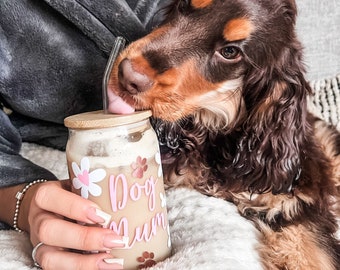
(22,207)
(8,200)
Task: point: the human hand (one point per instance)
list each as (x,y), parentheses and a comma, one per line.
(51,211)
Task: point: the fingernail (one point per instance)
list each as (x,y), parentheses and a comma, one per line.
(111,264)
(115,241)
(98,216)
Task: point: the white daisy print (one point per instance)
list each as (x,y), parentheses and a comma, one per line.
(169,237)
(85,180)
(159,162)
(163,200)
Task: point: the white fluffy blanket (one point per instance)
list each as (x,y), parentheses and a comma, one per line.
(207,233)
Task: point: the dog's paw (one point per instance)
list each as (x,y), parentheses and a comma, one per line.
(274,210)
(251,213)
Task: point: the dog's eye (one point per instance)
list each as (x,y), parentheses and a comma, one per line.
(230,52)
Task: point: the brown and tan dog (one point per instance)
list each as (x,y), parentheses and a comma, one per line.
(225,82)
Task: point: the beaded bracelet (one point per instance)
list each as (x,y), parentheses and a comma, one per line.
(20,196)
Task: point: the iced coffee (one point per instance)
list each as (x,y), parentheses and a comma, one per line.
(114,160)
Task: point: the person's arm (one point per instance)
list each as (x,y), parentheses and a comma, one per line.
(15,171)
(8,202)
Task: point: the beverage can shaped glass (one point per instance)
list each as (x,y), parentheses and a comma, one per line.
(114,160)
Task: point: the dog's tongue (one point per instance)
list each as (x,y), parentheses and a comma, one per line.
(118,105)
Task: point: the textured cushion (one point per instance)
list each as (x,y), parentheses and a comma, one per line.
(325,103)
(318,28)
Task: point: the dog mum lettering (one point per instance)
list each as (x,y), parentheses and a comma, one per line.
(121,193)
(135,192)
(133,186)
(145,232)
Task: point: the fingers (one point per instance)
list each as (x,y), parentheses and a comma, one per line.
(49,226)
(59,235)
(51,258)
(48,197)
(62,233)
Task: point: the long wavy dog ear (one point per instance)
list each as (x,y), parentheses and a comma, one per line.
(275,137)
(271,151)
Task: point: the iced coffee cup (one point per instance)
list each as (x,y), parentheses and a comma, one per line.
(114,160)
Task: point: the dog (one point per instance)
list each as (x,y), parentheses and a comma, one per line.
(225,82)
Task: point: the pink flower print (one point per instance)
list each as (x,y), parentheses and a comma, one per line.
(139,167)
(85,180)
(146,260)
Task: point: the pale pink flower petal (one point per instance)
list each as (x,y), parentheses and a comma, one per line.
(95,190)
(75,169)
(84,192)
(76,183)
(97,175)
(85,164)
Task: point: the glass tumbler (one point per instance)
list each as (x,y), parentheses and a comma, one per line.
(114,161)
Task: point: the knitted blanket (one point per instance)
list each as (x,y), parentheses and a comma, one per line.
(207,233)
(325,101)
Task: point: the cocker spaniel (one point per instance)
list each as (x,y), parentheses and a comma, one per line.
(225,82)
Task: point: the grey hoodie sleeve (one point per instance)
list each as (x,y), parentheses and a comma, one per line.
(52,58)
(14,169)
(102,20)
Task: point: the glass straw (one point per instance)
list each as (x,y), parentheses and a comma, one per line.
(118,45)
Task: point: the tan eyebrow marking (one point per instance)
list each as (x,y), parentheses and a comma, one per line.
(201,3)
(238,29)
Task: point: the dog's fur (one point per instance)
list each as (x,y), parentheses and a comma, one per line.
(225,82)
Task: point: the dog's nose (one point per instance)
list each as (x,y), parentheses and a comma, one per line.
(133,81)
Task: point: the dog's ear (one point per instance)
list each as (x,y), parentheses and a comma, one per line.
(275,131)
(290,8)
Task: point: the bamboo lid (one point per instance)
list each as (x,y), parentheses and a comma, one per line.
(99,119)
